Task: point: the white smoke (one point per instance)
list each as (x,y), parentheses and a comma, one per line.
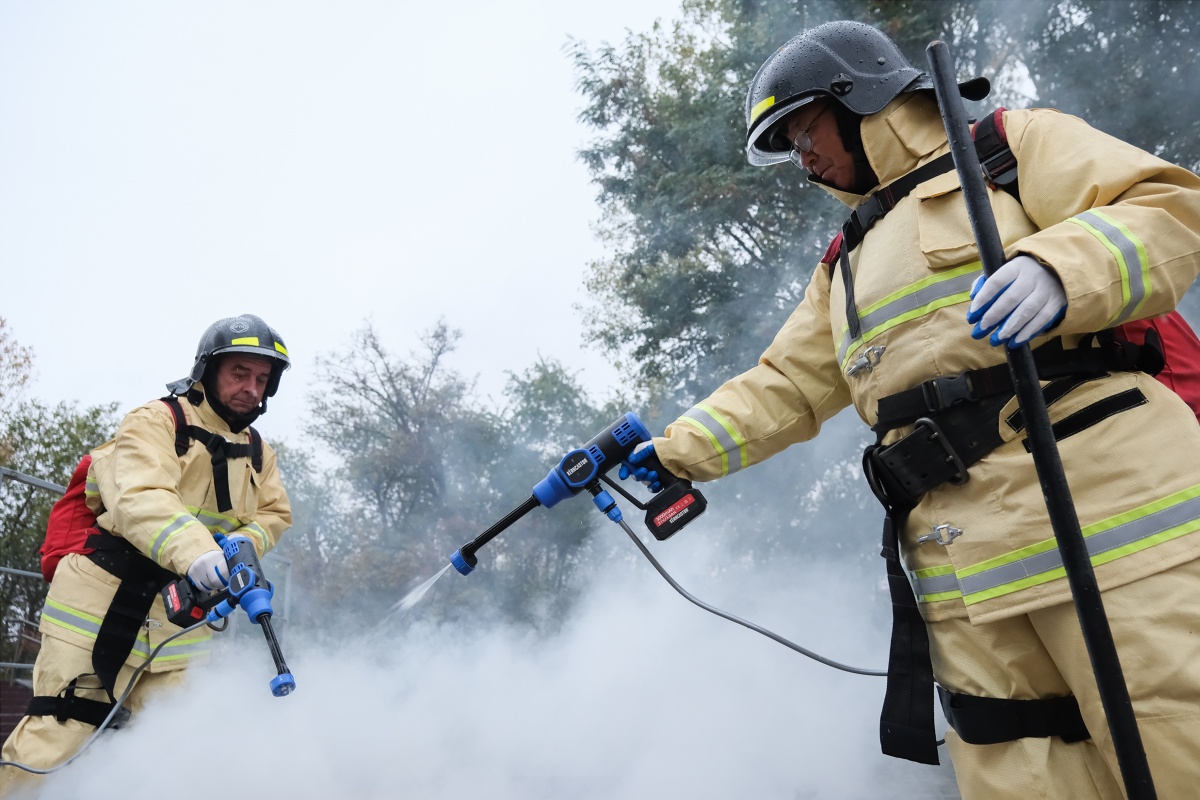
(640,695)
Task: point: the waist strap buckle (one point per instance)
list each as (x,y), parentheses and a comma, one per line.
(936,435)
(941,393)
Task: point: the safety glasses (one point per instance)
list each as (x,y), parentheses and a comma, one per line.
(802,142)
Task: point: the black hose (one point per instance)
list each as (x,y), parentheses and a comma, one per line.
(757,628)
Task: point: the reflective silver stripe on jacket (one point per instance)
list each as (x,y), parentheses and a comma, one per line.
(935,585)
(164,535)
(65,617)
(732,451)
(1102,542)
(905,305)
(1136,267)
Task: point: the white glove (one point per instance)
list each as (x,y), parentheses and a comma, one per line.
(209,572)
(1020,301)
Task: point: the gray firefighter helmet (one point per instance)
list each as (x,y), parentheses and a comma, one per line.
(244,334)
(852,62)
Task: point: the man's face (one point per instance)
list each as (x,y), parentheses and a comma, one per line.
(241,381)
(828,158)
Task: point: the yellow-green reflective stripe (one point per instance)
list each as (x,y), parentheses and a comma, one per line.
(214,521)
(935,583)
(81,614)
(912,302)
(167,532)
(761,106)
(1121,535)
(724,437)
(253,340)
(91,488)
(60,615)
(1130,254)
(716,445)
(253,527)
(736,437)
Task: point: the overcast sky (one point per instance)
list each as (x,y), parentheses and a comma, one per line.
(163,165)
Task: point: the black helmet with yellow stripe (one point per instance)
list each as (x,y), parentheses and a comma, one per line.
(851,62)
(245,334)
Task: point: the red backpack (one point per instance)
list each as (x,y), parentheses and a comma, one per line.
(71,522)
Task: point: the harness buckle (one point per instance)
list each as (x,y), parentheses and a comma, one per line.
(936,435)
(867,361)
(936,535)
(941,393)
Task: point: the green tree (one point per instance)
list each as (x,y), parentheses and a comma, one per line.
(422,467)
(46,442)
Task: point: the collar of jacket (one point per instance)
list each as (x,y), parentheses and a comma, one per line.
(898,139)
(209,419)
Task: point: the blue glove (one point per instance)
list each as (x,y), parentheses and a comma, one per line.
(1021,301)
(647,472)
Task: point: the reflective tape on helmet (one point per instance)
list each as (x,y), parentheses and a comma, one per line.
(1108,540)
(167,532)
(912,302)
(761,106)
(281,348)
(724,437)
(250,340)
(1131,258)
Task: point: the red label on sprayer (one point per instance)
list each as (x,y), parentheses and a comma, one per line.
(673,511)
(174,598)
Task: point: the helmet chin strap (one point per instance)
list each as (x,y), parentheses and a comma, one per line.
(237,422)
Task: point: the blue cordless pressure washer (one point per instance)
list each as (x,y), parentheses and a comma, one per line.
(248,587)
(675,506)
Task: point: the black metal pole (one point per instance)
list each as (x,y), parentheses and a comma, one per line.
(1097,635)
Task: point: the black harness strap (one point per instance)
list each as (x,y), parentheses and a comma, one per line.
(906,722)
(141,580)
(991,720)
(871,211)
(218,447)
(67,706)
(222,451)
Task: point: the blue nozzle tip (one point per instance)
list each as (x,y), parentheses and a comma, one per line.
(460,563)
(283,685)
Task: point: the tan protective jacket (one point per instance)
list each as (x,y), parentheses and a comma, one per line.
(1119,227)
(166,507)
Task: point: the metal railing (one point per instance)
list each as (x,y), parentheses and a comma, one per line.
(13,475)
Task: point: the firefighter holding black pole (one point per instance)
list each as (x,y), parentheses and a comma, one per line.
(1100,241)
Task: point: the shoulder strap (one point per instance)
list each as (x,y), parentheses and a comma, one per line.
(182,440)
(255,449)
(999,163)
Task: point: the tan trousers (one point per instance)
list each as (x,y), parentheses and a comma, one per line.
(44,742)
(1156,626)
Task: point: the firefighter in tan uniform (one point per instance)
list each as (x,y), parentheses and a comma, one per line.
(159,494)
(1102,233)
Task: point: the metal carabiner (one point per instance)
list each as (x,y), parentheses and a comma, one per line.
(867,361)
(951,533)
